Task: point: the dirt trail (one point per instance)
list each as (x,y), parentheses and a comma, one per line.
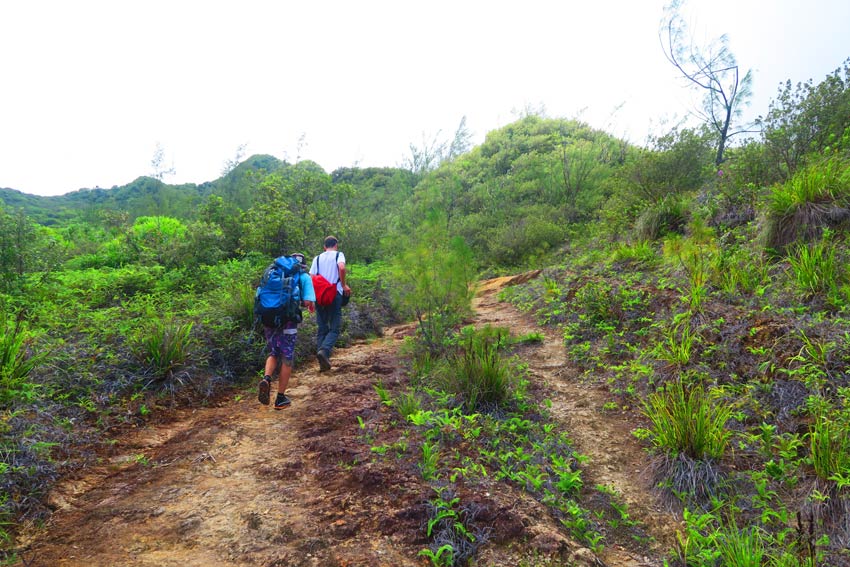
(242,484)
(616,459)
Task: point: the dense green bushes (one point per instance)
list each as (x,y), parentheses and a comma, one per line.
(107,347)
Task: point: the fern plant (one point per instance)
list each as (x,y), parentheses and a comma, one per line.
(16,363)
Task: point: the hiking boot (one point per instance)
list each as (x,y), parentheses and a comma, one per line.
(264,388)
(324,361)
(281,402)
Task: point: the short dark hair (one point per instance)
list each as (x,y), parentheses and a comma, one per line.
(331,241)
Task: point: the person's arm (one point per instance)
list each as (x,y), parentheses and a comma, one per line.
(308,293)
(345,289)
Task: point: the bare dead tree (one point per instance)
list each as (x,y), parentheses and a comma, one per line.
(711,69)
(158,164)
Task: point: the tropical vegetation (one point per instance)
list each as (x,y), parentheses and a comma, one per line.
(710,297)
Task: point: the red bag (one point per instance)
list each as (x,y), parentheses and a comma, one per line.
(325,290)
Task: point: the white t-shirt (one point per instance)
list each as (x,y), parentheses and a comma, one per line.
(326,264)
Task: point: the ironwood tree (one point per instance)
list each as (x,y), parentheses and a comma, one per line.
(711,69)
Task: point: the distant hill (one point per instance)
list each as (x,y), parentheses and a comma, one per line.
(143,196)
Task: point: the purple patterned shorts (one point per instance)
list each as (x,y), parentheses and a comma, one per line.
(281,344)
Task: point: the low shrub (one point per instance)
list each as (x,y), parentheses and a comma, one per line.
(164,345)
(815,198)
(478,373)
(669,216)
(690,437)
(684,420)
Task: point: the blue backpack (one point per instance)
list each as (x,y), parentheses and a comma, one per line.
(278,297)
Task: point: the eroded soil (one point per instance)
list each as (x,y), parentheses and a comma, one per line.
(241,484)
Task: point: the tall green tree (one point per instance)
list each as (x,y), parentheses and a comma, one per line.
(376,199)
(155,240)
(295,208)
(675,163)
(224,215)
(585,163)
(808,119)
(17,245)
(434,273)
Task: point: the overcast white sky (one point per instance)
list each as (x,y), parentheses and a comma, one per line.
(90,88)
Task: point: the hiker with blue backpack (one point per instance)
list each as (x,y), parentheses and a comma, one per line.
(328,273)
(285,288)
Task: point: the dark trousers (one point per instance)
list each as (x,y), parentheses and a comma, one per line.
(329,321)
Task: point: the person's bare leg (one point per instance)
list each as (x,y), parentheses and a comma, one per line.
(283,378)
(271,365)
(282,401)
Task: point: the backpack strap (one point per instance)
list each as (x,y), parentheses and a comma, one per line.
(337,261)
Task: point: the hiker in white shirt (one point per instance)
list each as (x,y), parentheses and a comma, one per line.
(331,265)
